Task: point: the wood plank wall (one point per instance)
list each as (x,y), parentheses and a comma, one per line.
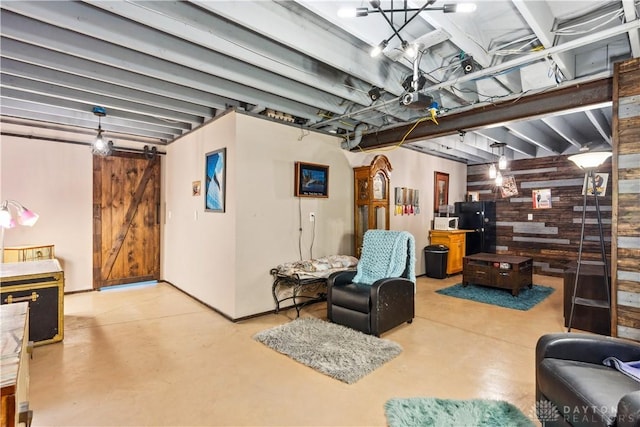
(626,202)
(552,237)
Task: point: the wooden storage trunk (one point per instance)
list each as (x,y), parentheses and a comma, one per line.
(41,284)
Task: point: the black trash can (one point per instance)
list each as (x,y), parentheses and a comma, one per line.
(435,257)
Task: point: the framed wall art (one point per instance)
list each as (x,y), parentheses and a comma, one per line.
(440,190)
(195,188)
(601,180)
(312,180)
(541,198)
(509,187)
(215,180)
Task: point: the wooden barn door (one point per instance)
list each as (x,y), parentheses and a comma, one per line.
(126,223)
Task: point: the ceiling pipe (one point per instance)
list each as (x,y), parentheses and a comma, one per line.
(349,144)
(514,63)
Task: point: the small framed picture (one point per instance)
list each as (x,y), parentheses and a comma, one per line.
(601,180)
(440,190)
(195,188)
(215,180)
(541,198)
(312,180)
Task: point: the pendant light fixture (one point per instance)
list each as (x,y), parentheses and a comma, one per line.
(100,146)
(494,172)
(502,162)
(498,179)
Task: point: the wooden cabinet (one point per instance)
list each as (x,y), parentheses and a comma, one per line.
(41,284)
(455,241)
(28,253)
(371,198)
(15,365)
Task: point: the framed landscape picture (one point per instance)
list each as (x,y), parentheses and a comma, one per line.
(312,180)
(215,179)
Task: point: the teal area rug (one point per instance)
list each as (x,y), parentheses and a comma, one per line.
(432,412)
(526,299)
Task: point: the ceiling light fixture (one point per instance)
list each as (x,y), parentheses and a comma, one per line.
(499,179)
(494,172)
(378,49)
(410,49)
(353,12)
(100,146)
(376,8)
(502,162)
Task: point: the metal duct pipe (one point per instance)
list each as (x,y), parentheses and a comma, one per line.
(349,144)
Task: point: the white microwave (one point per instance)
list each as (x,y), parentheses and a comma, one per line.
(445,223)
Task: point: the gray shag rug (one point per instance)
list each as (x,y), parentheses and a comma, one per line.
(337,351)
(432,412)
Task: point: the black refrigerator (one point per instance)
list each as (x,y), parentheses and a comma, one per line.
(481,218)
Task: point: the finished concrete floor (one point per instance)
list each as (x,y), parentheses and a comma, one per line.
(152,356)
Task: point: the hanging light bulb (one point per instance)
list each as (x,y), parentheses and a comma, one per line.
(492,171)
(378,49)
(498,179)
(502,162)
(99,144)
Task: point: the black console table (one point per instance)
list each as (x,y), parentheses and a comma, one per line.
(304,291)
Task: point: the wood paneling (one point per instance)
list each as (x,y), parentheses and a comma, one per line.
(626,202)
(552,238)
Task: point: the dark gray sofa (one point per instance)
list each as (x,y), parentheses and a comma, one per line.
(574,388)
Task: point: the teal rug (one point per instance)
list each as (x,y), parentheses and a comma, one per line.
(432,412)
(526,299)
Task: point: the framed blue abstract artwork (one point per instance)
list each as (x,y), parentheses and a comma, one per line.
(215,179)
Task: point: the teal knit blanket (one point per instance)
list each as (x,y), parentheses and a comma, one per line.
(384,254)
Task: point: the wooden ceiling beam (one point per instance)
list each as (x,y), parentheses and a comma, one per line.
(576,96)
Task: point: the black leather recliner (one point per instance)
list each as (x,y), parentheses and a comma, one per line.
(376,308)
(575,388)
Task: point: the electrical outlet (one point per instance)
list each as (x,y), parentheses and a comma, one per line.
(530,217)
(312,216)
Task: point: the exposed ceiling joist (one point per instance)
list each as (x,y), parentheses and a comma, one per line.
(165,68)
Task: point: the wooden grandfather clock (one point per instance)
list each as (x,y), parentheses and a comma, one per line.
(371,198)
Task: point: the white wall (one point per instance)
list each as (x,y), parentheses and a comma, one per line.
(269,217)
(224,259)
(199,247)
(54,180)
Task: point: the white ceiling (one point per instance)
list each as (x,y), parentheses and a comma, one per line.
(161,69)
